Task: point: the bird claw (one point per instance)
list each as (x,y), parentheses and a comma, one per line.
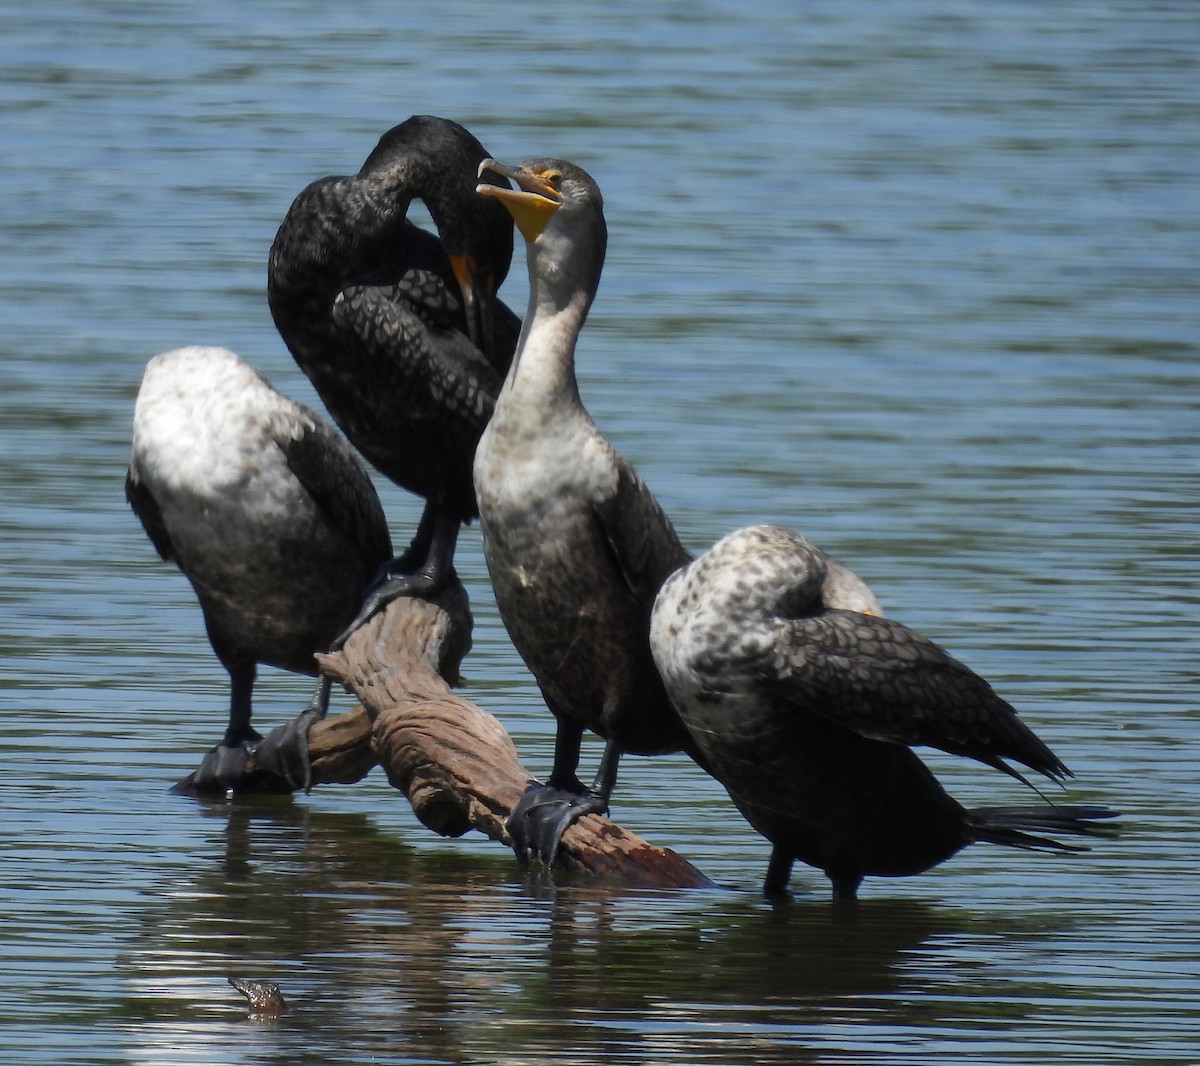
(284,751)
(541,817)
(388,586)
(223,769)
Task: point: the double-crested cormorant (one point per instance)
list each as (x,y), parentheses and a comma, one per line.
(576,545)
(402,334)
(269,514)
(805,708)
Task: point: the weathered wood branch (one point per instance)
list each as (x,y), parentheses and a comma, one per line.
(454,761)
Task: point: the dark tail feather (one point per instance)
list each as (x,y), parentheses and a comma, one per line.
(1020,827)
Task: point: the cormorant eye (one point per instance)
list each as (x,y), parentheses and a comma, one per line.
(553,178)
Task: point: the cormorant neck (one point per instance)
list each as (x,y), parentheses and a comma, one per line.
(337,231)
(559,300)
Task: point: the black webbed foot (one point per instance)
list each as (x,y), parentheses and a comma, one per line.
(223,768)
(422,570)
(390,583)
(541,816)
(284,750)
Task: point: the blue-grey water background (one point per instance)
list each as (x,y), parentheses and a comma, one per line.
(918,278)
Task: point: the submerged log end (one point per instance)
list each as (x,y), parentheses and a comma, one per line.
(598,847)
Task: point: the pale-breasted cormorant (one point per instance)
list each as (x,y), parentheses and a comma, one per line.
(805,708)
(272,518)
(402,333)
(576,545)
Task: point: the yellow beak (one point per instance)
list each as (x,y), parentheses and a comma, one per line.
(531,203)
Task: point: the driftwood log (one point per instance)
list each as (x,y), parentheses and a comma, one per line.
(454,761)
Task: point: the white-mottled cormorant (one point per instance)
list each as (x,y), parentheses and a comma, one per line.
(576,545)
(804,708)
(272,518)
(402,333)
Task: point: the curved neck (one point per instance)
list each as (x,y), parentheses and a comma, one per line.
(336,232)
(559,301)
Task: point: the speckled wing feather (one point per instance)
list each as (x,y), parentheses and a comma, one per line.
(435,300)
(644,544)
(426,379)
(885,681)
(445,373)
(427,295)
(145,506)
(339,485)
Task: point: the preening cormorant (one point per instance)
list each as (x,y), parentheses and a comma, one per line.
(272,518)
(576,545)
(805,710)
(402,333)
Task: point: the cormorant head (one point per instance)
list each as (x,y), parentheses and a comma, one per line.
(543,187)
(536,198)
(441,160)
(559,210)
